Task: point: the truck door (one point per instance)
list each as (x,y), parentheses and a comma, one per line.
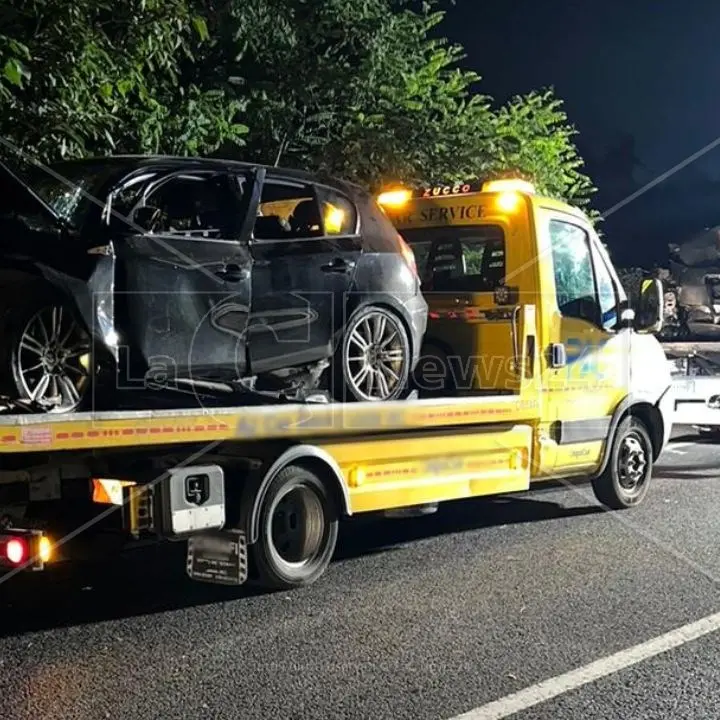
(586,357)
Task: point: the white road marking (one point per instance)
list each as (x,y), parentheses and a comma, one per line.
(552,688)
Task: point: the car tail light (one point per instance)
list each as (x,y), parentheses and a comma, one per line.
(408,255)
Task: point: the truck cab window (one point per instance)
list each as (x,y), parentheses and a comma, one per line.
(573,268)
(459,259)
(607,293)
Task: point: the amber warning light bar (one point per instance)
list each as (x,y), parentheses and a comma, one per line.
(398,197)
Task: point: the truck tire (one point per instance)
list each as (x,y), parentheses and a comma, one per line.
(298,530)
(625,481)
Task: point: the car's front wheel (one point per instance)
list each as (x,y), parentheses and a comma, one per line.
(375,357)
(47,361)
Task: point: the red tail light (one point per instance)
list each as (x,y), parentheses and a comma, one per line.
(408,255)
(24,548)
(16,551)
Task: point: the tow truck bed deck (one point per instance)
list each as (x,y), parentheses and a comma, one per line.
(89,431)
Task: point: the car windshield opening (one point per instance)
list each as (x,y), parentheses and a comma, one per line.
(66,187)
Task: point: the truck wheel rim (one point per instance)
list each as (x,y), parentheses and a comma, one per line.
(376,357)
(632,463)
(53,360)
(297,527)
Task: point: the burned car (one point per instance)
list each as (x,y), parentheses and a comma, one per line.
(152,274)
(695,268)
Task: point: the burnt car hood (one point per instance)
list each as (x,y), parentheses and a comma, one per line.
(17,198)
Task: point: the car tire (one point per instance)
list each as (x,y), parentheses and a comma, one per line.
(433,375)
(374,358)
(298,530)
(626,479)
(46,361)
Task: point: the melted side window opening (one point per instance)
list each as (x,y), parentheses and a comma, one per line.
(289,211)
(188,205)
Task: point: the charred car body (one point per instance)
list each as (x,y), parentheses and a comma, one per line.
(695,269)
(205,276)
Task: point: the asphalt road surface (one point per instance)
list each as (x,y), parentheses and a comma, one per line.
(541,605)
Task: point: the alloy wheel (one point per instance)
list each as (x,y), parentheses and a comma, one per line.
(53,360)
(376,356)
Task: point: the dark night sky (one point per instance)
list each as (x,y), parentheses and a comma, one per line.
(645,67)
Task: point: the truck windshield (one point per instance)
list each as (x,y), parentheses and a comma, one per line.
(464,259)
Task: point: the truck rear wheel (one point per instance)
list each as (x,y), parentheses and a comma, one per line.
(298,530)
(625,481)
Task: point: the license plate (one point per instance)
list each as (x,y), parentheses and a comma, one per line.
(218,557)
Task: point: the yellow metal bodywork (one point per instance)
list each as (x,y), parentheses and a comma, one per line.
(384,474)
(87,431)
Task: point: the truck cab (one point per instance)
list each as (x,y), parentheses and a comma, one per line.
(486,250)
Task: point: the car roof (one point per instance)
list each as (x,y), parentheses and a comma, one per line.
(127,162)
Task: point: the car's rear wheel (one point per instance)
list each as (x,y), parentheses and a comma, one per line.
(48,356)
(375,356)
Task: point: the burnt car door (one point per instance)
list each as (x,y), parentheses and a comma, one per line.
(183,276)
(305,245)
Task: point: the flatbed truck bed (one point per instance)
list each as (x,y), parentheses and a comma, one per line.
(137,428)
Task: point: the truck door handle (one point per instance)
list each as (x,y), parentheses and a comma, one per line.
(558,355)
(338,265)
(231,273)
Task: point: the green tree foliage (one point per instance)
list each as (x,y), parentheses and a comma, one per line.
(95,76)
(359,88)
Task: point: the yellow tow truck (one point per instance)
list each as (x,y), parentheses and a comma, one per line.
(534,367)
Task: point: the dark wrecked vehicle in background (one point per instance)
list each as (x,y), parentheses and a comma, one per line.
(125,278)
(695,272)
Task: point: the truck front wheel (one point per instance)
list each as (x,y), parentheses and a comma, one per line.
(298,530)
(626,479)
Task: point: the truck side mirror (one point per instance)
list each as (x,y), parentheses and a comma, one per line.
(650,306)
